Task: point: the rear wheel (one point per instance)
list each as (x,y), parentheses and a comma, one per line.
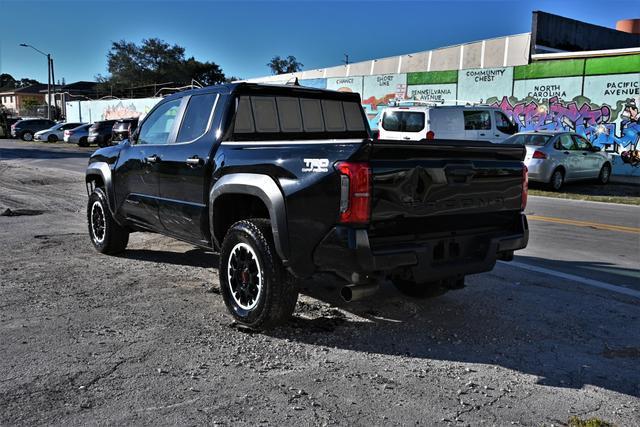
(106,234)
(257,289)
(52,138)
(605,174)
(557,180)
(27,136)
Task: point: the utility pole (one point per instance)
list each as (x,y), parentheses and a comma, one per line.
(49,72)
(346,59)
(53,80)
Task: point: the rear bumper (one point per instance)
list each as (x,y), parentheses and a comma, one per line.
(346,251)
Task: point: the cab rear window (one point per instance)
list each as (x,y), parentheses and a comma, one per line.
(403,121)
(287,117)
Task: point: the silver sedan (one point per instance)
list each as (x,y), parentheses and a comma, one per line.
(556,158)
(78,135)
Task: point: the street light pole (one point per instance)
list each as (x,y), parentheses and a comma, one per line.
(49,70)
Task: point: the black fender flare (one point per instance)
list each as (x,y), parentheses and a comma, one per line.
(102,170)
(266,189)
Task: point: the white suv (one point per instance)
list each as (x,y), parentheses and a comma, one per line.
(415,123)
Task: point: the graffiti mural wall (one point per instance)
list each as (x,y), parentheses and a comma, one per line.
(93,111)
(596,97)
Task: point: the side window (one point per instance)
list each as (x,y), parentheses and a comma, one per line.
(565,142)
(391,121)
(413,122)
(503,124)
(196,117)
(477,120)
(581,143)
(158,126)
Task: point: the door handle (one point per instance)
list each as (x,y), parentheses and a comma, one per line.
(566,152)
(194,161)
(152,159)
(584,154)
(482,134)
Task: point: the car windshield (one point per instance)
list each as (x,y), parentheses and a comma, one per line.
(528,139)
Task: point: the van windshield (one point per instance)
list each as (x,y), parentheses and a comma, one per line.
(403,121)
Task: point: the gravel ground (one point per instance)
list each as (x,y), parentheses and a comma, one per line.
(144,338)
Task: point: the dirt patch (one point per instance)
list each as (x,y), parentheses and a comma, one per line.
(627,194)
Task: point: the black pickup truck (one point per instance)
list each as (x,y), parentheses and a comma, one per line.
(286,184)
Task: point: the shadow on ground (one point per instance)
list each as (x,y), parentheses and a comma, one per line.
(564,337)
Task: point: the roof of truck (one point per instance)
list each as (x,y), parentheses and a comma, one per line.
(229,88)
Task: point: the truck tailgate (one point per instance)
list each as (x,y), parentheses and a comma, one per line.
(443,186)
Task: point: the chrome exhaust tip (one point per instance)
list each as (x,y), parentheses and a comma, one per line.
(355,292)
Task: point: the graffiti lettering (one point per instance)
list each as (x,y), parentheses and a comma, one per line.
(593,122)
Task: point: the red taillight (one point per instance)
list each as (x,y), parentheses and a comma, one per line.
(539,155)
(68,132)
(525,187)
(355,192)
(431,135)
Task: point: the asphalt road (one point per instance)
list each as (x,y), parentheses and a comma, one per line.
(49,155)
(144,337)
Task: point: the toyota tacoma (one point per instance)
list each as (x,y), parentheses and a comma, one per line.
(286,183)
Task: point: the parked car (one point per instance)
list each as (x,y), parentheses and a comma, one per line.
(55,133)
(123,128)
(26,129)
(419,122)
(78,135)
(556,158)
(285,183)
(100,133)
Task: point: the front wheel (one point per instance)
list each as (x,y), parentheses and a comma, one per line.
(106,234)
(83,142)
(257,289)
(27,136)
(605,174)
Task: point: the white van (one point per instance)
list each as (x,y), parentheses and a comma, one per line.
(415,123)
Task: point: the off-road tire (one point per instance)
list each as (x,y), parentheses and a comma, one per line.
(276,301)
(112,238)
(83,142)
(27,136)
(555,182)
(605,174)
(52,138)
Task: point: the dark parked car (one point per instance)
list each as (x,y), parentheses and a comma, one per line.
(286,184)
(123,128)
(100,133)
(25,129)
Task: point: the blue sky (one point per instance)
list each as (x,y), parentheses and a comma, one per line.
(241,36)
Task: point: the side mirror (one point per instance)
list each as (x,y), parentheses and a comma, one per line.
(133,138)
(595,148)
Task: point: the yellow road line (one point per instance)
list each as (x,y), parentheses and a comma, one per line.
(588,224)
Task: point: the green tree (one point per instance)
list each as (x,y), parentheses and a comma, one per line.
(284,65)
(152,63)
